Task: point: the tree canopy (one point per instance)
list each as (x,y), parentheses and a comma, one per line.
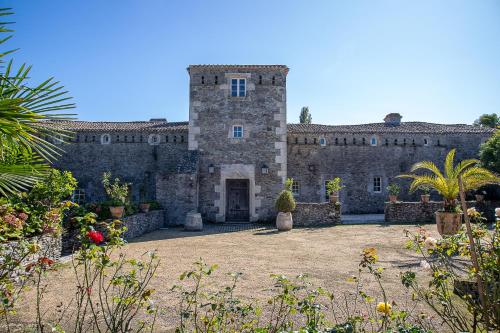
(305,115)
(489,153)
(488,120)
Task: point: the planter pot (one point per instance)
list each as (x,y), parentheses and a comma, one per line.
(144,207)
(334,197)
(479,197)
(193,222)
(393,198)
(448,223)
(425,198)
(284,221)
(117,212)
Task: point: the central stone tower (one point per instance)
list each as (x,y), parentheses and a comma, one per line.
(237,122)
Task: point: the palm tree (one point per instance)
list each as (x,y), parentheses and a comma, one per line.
(446,184)
(26,150)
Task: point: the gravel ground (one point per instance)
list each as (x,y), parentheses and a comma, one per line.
(329,255)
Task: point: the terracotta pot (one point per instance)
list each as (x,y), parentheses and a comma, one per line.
(334,197)
(479,197)
(144,207)
(448,223)
(284,221)
(425,198)
(117,212)
(393,198)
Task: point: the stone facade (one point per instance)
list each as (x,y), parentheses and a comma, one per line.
(50,246)
(201,165)
(418,212)
(310,214)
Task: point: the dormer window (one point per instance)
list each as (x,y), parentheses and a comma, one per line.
(237,131)
(238,87)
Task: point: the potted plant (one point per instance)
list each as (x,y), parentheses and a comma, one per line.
(394,190)
(333,187)
(143,204)
(480,196)
(285,204)
(425,196)
(449,219)
(117,193)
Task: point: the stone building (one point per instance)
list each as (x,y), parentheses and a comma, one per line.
(230,160)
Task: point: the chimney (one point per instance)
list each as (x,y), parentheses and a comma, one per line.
(393,119)
(158,119)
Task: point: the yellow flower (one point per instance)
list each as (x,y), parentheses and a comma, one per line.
(384,308)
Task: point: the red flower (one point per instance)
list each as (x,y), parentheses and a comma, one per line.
(95,236)
(44,261)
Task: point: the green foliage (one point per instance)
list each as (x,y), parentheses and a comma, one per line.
(452,292)
(285,202)
(424,189)
(446,183)
(25,145)
(488,120)
(334,185)
(116,190)
(393,189)
(489,153)
(39,211)
(305,115)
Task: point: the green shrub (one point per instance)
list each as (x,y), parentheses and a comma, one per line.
(334,185)
(393,189)
(285,202)
(116,190)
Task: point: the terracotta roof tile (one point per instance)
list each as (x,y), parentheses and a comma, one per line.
(110,126)
(404,127)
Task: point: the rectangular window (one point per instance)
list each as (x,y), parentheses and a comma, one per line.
(377,184)
(237,131)
(78,196)
(295,187)
(238,87)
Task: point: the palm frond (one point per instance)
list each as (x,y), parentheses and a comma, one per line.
(448,163)
(427,165)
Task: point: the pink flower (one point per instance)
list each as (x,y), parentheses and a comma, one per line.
(23,216)
(13,221)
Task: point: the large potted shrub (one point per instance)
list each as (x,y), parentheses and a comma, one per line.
(449,219)
(333,187)
(285,204)
(393,190)
(117,193)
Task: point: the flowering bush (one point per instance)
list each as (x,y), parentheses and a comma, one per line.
(116,190)
(453,292)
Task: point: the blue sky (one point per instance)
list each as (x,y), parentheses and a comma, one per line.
(350,61)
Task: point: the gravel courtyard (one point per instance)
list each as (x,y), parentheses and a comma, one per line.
(329,255)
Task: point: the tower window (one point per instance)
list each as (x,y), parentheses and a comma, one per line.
(353,141)
(125,138)
(413,142)
(216,80)
(175,138)
(133,138)
(105,139)
(274,80)
(314,140)
(336,141)
(305,141)
(93,138)
(322,141)
(345,142)
(395,142)
(166,138)
(377,184)
(439,143)
(373,141)
(260,79)
(237,131)
(182,138)
(363,141)
(426,142)
(202,80)
(404,142)
(238,87)
(296,140)
(386,142)
(117,138)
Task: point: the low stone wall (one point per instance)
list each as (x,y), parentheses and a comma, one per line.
(49,246)
(308,214)
(137,225)
(142,223)
(418,212)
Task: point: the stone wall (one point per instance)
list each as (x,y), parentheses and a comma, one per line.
(418,212)
(262,114)
(308,214)
(357,163)
(137,225)
(50,247)
(142,223)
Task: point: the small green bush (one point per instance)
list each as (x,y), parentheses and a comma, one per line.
(393,189)
(285,202)
(334,185)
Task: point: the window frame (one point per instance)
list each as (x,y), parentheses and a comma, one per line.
(373,141)
(375,186)
(105,142)
(78,196)
(238,87)
(154,139)
(296,187)
(234,131)
(322,141)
